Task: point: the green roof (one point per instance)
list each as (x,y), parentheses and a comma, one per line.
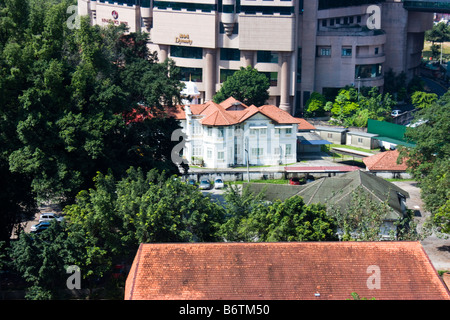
(397,142)
(338,190)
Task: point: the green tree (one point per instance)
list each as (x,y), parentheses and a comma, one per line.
(422,99)
(246,85)
(292,220)
(116,216)
(315,105)
(239,206)
(364,217)
(429,160)
(64,95)
(345,106)
(42,259)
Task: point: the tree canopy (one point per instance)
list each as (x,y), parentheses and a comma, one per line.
(429,160)
(65,92)
(246,85)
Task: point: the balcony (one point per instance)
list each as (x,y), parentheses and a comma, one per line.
(439,6)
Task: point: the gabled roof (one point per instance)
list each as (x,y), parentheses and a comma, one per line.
(230,102)
(337,191)
(385,161)
(305,125)
(283,270)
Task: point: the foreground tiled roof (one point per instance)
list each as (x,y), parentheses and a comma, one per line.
(286,270)
(385,161)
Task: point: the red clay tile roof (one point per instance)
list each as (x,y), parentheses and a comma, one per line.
(219,115)
(305,125)
(284,270)
(230,102)
(385,161)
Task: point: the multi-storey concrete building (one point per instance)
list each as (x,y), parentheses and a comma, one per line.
(302,46)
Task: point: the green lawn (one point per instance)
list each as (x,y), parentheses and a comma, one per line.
(351,148)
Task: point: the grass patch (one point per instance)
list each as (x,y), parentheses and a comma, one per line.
(398,180)
(349,147)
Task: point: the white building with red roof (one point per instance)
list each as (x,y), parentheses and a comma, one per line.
(224,135)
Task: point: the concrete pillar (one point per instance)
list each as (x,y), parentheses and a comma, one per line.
(284,82)
(248,57)
(308,45)
(163,52)
(209,78)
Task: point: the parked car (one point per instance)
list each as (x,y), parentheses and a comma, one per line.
(395,113)
(205,184)
(310,179)
(48,216)
(192,182)
(41,226)
(294,181)
(218,183)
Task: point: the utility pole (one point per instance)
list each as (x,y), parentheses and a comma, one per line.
(246,150)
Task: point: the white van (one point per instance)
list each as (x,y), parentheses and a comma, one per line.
(49,216)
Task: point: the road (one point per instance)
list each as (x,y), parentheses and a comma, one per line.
(434,86)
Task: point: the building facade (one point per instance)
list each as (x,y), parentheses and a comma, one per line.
(230,134)
(302,46)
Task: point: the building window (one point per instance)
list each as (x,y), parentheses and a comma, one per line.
(257,152)
(324,22)
(288,131)
(276,151)
(288,149)
(277,131)
(376,50)
(346,52)
(228,54)
(193,74)
(329,135)
(273,78)
(225,73)
(209,153)
(209,131)
(263,131)
(197,151)
(368,71)
(360,140)
(325,52)
(221,155)
(331,22)
(220,133)
(186,52)
(267,57)
(358,19)
(197,128)
(253,132)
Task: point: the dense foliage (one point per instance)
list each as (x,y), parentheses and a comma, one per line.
(429,160)
(246,85)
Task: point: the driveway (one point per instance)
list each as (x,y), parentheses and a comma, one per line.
(437,249)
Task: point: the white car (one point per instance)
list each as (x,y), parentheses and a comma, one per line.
(49,216)
(218,183)
(395,113)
